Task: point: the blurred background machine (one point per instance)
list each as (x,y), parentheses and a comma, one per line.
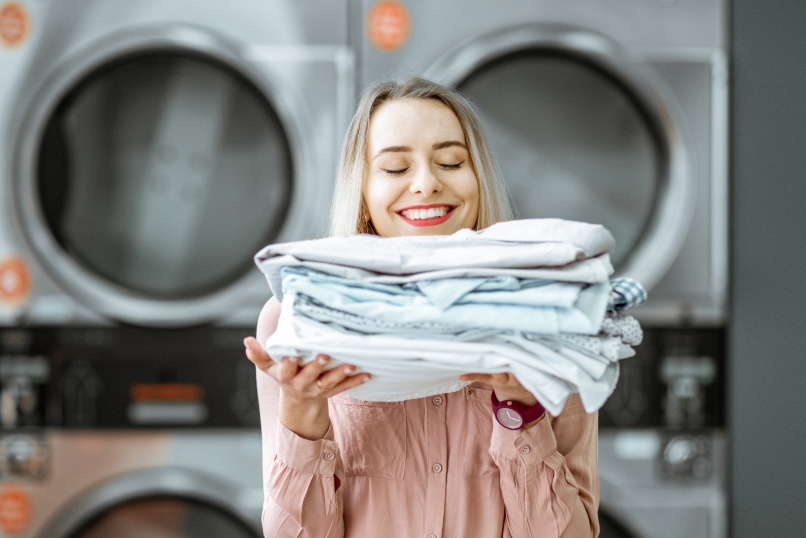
(147,150)
(609,111)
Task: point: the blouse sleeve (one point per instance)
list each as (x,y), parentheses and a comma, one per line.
(300,477)
(549,477)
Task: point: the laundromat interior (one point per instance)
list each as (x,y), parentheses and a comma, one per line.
(148,150)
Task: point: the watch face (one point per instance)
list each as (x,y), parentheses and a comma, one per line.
(509,418)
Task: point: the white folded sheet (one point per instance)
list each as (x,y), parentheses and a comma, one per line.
(404,368)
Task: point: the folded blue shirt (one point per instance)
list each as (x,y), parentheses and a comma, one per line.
(536,306)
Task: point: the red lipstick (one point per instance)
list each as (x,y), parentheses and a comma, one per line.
(426,222)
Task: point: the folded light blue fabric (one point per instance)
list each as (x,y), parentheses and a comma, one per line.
(539,306)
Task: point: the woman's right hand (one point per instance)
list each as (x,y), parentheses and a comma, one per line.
(304,389)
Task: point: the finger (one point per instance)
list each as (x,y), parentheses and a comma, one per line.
(483,378)
(309,373)
(255,353)
(335,376)
(286,370)
(348,383)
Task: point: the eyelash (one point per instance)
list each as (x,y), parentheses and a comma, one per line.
(404,170)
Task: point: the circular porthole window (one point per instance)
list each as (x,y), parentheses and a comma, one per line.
(163,517)
(571,142)
(153,169)
(581,132)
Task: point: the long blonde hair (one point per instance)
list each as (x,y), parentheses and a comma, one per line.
(347,215)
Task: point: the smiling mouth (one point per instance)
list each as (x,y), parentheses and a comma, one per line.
(426,215)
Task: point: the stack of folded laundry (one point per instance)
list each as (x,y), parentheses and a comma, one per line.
(531,297)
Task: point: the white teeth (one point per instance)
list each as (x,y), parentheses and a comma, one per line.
(420,214)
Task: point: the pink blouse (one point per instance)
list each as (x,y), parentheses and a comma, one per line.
(437,467)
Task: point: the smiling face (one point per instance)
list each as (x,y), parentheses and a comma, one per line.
(419,177)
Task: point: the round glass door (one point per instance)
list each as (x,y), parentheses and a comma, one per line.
(166,517)
(163,173)
(571,141)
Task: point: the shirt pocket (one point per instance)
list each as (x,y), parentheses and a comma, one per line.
(478,425)
(371,436)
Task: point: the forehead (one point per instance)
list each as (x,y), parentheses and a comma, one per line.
(413,122)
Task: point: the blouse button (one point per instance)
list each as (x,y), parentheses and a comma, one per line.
(432,536)
(526,449)
(437,468)
(469,391)
(437,400)
(329,455)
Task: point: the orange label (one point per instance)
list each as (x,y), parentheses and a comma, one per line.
(388,25)
(166,392)
(15,509)
(15,280)
(15,24)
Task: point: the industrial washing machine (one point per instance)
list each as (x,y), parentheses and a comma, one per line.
(147,150)
(614,112)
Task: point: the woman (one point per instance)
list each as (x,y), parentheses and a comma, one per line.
(416,162)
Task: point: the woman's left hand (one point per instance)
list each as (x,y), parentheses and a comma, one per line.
(506,386)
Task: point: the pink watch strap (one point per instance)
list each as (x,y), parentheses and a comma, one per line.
(513,415)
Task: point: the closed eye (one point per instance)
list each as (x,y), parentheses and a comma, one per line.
(452,166)
(395,172)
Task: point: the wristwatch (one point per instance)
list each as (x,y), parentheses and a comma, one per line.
(512,415)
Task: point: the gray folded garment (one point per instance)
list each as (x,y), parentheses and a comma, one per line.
(550,249)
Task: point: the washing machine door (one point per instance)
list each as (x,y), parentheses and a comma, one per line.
(157,503)
(152,168)
(581,133)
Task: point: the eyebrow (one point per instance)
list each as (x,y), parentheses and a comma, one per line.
(448,144)
(438,145)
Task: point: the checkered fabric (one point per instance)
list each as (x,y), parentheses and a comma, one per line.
(625,293)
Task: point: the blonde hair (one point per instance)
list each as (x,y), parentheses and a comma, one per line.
(348,212)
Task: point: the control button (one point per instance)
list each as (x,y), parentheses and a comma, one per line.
(526,449)
(437,400)
(437,468)
(329,455)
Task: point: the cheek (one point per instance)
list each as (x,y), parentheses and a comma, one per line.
(379,195)
(469,190)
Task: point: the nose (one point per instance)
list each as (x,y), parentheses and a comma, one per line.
(425,182)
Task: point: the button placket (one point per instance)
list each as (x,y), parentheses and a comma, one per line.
(437,443)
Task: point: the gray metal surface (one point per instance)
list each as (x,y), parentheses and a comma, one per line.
(768,290)
(92,471)
(654,506)
(307,81)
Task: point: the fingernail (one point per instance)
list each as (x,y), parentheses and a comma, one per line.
(295,360)
(365,379)
(322,359)
(349,370)
(245,342)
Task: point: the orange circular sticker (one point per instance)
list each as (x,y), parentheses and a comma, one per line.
(15,280)
(15,509)
(15,24)
(388,25)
